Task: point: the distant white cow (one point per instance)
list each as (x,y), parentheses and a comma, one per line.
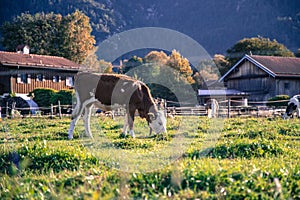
(112,91)
(293,106)
(212,107)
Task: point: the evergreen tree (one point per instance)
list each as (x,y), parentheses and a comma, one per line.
(132,63)
(40,31)
(50,34)
(256,46)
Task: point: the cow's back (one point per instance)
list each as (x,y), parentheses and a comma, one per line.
(117,89)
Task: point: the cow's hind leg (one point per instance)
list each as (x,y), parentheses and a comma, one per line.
(87,119)
(78,110)
(75,117)
(128,123)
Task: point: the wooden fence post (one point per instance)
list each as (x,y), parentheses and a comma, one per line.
(13,106)
(51,110)
(228,108)
(165,107)
(6,109)
(59,109)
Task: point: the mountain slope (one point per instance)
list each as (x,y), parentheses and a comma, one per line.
(216,25)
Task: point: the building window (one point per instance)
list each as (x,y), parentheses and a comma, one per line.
(286,86)
(39,77)
(23,78)
(56,79)
(69,81)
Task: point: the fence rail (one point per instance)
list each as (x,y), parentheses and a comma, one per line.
(224,111)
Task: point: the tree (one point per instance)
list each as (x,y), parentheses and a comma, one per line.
(92,63)
(156,57)
(50,34)
(132,63)
(39,31)
(77,38)
(164,74)
(221,63)
(256,46)
(181,64)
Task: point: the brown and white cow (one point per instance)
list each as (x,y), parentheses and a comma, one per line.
(212,107)
(112,91)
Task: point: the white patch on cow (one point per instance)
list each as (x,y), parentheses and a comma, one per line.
(136,84)
(125,83)
(131,133)
(76,115)
(159,124)
(122,90)
(87,119)
(76,109)
(92,93)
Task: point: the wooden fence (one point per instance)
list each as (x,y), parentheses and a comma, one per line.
(224,111)
(233,111)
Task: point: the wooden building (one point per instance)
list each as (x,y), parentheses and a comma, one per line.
(263,77)
(21,73)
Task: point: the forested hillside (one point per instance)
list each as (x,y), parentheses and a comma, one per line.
(215,24)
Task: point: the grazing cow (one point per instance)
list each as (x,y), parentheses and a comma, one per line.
(212,107)
(112,91)
(293,106)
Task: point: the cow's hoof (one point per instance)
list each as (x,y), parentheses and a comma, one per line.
(162,137)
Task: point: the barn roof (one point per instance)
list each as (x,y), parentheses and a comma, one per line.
(37,61)
(221,92)
(275,66)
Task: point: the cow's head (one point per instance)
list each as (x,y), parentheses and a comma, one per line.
(158,122)
(289,110)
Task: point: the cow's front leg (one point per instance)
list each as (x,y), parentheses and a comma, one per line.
(150,132)
(130,122)
(125,127)
(87,119)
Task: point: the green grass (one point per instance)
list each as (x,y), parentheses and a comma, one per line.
(198,158)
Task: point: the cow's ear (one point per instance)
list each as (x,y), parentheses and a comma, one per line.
(151,116)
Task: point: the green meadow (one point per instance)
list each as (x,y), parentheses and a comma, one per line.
(237,158)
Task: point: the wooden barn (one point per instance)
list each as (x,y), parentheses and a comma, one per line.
(21,72)
(263,77)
